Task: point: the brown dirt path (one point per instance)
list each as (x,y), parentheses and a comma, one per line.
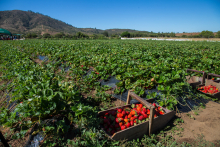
(207,122)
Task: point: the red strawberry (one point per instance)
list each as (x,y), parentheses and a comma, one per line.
(148,111)
(126,117)
(119,115)
(124,113)
(127,110)
(142,112)
(125,120)
(154,104)
(119,110)
(140,105)
(135,116)
(161,112)
(138,113)
(138,108)
(129,116)
(123,127)
(141,117)
(144,109)
(120,124)
(135,109)
(132,118)
(135,121)
(106,113)
(128,124)
(132,123)
(118,120)
(133,112)
(155,115)
(145,115)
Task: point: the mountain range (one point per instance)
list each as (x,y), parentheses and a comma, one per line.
(23,22)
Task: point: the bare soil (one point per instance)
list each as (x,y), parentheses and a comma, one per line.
(38,61)
(206,123)
(14,142)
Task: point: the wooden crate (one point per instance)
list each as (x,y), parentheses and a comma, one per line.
(209,75)
(147,127)
(213,83)
(196,81)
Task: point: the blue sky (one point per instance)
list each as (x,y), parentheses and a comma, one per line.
(147,15)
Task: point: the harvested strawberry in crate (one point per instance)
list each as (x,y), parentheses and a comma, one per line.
(122,118)
(208,89)
(134,120)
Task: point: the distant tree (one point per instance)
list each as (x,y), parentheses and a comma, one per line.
(114,35)
(105,33)
(39,36)
(31,35)
(28,35)
(34,35)
(195,36)
(153,35)
(184,36)
(94,36)
(125,34)
(81,35)
(68,36)
(59,35)
(101,36)
(218,34)
(47,35)
(74,37)
(172,34)
(207,34)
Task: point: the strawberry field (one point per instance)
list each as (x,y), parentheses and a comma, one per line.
(53,88)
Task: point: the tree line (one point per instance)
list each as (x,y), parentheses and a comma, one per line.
(203,34)
(78,35)
(106,35)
